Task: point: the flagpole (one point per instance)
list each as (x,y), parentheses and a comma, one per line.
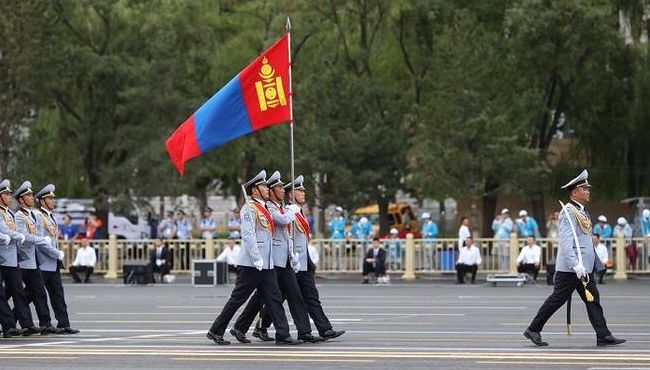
(293,175)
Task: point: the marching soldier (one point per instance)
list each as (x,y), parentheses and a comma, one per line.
(31,275)
(50,258)
(575,267)
(10,273)
(305,274)
(286,265)
(6,316)
(255,263)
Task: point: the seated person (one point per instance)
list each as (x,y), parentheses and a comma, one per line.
(229,253)
(469,258)
(375,261)
(603,254)
(530,258)
(161,259)
(84,262)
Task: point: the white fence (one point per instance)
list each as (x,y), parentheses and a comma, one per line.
(346,256)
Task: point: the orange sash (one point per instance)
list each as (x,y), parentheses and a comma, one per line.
(303,225)
(264,212)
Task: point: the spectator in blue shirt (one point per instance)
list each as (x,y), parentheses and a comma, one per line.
(68,230)
(429,228)
(183,226)
(336,225)
(602,228)
(645,223)
(527,226)
(362,229)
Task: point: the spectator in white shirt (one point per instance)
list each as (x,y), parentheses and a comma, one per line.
(530,258)
(229,255)
(313,254)
(463,231)
(208,224)
(603,254)
(469,258)
(84,262)
(167,227)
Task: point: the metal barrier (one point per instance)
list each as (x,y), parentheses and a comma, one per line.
(408,256)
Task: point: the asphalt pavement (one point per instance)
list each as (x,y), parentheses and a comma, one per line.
(421,325)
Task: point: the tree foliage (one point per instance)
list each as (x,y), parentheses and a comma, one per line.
(433,97)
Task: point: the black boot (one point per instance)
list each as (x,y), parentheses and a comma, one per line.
(239,335)
(288,341)
(609,340)
(218,339)
(535,337)
(262,334)
(331,334)
(308,338)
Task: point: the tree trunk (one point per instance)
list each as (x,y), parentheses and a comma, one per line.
(538,211)
(633,189)
(384,222)
(489,207)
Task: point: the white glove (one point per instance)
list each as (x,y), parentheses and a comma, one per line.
(5,239)
(158,262)
(294,208)
(61,255)
(580,270)
(21,239)
(259,263)
(295,263)
(47,240)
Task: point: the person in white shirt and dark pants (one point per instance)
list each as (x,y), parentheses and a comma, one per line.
(603,254)
(161,259)
(229,254)
(469,258)
(84,262)
(530,258)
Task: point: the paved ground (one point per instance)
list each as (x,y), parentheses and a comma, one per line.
(407,326)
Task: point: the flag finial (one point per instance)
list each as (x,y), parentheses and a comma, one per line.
(288,25)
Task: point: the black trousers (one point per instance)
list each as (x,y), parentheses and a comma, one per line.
(307,284)
(369,267)
(35,293)
(565,284)
(86,270)
(14,289)
(528,268)
(7,319)
(462,269)
(54,286)
(601,275)
(249,279)
(290,290)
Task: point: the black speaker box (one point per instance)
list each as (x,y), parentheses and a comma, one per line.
(137,272)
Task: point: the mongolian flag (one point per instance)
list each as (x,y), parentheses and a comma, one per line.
(256,98)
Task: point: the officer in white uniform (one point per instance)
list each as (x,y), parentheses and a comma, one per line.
(255,262)
(306,272)
(29,271)
(570,271)
(10,273)
(286,264)
(50,258)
